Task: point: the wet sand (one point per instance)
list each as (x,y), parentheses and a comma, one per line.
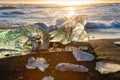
(13,68)
(106,50)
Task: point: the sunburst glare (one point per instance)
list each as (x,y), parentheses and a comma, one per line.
(71,11)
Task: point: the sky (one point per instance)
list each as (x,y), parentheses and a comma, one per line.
(52,1)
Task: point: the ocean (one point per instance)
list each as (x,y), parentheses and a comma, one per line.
(103,20)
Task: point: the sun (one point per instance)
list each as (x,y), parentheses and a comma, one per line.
(71,12)
(71,2)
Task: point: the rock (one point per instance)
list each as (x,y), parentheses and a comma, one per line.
(31,63)
(82,56)
(41,64)
(70,67)
(48,78)
(105,68)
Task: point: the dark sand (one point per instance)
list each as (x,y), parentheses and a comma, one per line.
(13,68)
(106,50)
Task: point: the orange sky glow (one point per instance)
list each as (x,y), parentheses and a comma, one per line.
(59,1)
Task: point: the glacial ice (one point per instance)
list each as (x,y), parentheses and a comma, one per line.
(40,63)
(71,48)
(48,78)
(29,37)
(24,38)
(52,49)
(82,48)
(72,29)
(31,63)
(70,67)
(82,56)
(117,43)
(104,67)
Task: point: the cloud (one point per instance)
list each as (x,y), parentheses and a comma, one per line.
(22,1)
(38,1)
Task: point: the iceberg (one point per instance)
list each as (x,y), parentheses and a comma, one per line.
(70,67)
(105,68)
(82,56)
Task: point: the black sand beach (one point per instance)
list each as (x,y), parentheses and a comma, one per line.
(13,68)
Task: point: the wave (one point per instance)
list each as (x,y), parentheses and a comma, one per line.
(7,7)
(92,25)
(58,21)
(13,13)
(99,25)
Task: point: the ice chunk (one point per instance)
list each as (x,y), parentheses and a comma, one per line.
(83,48)
(71,48)
(72,29)
(59,21)
(20,78)
(24,38)
(31,63)
(117,42)
(105,68)
(41,64)
(52,49)
(48,78)
(82,56)
(70,67)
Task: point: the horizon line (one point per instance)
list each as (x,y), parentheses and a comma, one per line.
(51,3)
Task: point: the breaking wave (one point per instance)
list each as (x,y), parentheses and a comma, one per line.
(93,25)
